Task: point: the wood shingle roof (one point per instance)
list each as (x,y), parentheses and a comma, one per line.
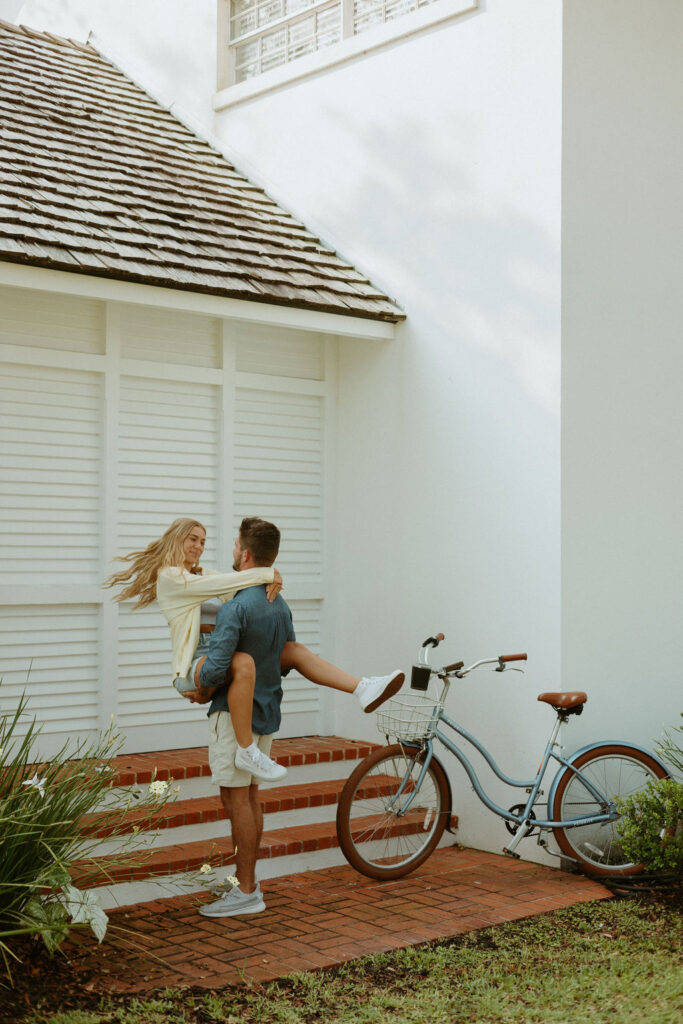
(97,177)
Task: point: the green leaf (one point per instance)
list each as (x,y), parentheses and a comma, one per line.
(84,908)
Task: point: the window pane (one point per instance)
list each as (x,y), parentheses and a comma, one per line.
(328,27)
(270,11)
(366,14)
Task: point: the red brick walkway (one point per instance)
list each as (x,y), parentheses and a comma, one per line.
(320,919)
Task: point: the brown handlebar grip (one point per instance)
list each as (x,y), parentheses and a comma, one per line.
(439,637)
(455,667)
(512,657)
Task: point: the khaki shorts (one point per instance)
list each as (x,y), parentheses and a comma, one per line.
(222,750)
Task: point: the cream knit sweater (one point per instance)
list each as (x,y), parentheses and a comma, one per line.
(180,594)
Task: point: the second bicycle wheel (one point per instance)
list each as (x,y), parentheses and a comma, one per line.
(618,771)
(375,837)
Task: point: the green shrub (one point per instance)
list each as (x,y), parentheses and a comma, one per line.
(45,827)
(651,826)
(670,749)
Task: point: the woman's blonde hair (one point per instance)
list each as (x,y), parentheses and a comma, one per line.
(141,575)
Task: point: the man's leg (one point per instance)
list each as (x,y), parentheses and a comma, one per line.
(257,812)
(246,822)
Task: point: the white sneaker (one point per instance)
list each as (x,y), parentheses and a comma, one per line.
(258,764)
(235,903)
(374,690)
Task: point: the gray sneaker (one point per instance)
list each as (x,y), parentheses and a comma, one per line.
(235,903)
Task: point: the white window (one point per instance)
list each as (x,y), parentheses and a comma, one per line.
(264,37)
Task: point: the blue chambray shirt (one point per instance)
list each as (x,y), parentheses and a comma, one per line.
(250,623)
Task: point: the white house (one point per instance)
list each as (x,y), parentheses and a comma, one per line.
(503,465)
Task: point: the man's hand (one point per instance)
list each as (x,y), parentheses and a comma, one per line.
(200,696)
(274,588)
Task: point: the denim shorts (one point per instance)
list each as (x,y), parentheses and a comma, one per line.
(185,683)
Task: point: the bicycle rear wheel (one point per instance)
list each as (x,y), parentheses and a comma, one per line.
(375,838)
(618,771)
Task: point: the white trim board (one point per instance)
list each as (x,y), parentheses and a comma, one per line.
(22,276)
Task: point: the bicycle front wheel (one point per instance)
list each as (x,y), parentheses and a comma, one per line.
(618,772)
(375,836)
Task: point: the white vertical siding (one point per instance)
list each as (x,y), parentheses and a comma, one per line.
(278,471)
(145,696)
(279,352)
(180,435)
(52,652)
(50,435)
(170,336)
(302,699)
(51,321)
(168,458)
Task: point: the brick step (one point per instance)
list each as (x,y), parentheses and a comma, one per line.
(189,857)
(203,810)
(193,762)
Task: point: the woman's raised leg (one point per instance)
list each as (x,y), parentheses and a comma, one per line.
(371,691)
(295,655)
(241,696)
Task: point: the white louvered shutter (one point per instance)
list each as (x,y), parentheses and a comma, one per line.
(114,420)
(278,475)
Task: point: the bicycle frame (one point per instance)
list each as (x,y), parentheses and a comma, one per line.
(532,786)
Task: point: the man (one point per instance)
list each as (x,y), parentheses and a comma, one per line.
(252,624)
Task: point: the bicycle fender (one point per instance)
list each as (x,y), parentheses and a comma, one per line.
(417,746)
(593,746)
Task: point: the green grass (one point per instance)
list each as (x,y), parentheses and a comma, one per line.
(608,962)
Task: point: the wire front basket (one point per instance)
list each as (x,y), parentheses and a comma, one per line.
(408,717)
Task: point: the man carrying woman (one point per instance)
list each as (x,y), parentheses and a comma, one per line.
(239,668)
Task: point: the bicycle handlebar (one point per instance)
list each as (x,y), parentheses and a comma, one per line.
(458,667)
(434,641)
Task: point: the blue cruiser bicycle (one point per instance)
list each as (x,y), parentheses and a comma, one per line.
(395,806)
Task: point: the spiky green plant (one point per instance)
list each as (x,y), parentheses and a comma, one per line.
(47,823)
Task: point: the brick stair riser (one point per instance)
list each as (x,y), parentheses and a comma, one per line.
(214,829)
(161,861)
(124,894)
(325,771)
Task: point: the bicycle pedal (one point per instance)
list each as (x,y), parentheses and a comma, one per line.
(510,853)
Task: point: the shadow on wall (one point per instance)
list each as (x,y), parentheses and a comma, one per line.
(460,259)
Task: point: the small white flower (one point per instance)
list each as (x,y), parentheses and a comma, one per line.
(231,879)
(158,788)
(36,783)
(205,869)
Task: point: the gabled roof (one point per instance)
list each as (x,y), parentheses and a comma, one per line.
(97,177)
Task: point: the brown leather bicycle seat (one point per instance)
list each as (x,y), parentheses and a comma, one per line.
(566,701)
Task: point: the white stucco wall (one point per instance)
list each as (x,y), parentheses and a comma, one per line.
(434,165)
(623,364)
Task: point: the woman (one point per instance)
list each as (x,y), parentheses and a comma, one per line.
(189,597)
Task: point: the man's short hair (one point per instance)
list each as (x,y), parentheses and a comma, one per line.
(262,539)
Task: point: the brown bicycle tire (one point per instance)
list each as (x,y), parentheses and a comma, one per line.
(352,849)
(568,838)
